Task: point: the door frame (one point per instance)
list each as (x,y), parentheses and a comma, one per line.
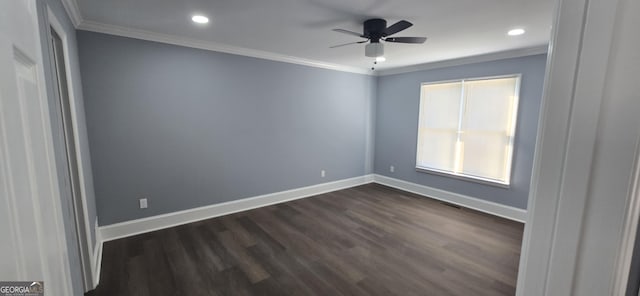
(55,263)
(86,248)
(629,233)
(567,212)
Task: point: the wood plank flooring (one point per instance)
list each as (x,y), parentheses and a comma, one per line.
(367,240)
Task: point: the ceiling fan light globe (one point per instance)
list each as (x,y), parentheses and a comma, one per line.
(374,50)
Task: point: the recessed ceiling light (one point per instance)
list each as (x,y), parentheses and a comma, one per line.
(200,19)
(515,32)
(381,59)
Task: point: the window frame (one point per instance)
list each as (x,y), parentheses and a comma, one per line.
(514,128)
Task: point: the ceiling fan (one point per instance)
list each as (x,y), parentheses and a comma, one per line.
(376,30)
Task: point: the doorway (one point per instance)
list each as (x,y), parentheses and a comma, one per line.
(71,177)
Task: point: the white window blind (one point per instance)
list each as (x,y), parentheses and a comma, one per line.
(466,128)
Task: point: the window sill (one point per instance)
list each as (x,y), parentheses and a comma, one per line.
(464,177)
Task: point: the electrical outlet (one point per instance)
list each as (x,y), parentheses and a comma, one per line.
(143,203)
(322,173)
(392,169)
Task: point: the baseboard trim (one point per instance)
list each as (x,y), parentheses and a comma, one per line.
(508,212)
(138,226)
(97,261)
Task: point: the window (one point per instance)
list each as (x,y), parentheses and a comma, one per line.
(466,128)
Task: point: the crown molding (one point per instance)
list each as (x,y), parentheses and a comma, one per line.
(206,45)
(73,10)
(516,53)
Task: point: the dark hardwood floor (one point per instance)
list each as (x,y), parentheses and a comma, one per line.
(367,240)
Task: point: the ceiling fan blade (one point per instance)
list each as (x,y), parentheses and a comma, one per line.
(348,32)
(406,39)
(397,27)
(340,45)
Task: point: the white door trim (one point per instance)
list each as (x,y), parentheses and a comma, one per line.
(568,179)
(553,127)
(86,247)
(629,234)
(26,121)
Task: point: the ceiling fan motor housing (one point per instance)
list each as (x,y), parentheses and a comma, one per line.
(374,29)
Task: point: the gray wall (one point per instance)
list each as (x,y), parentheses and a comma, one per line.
(189,128)
(398,98)
(74,70)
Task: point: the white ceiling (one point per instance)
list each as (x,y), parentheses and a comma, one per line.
(302,28)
